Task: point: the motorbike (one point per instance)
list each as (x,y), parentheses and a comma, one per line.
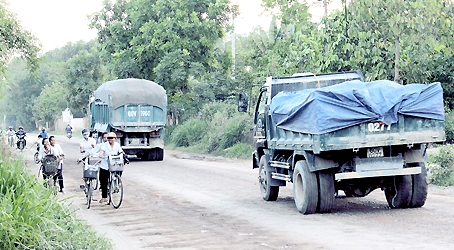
(69,135)
(21,142)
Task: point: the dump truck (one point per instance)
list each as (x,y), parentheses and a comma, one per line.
(334,132)
(135,110)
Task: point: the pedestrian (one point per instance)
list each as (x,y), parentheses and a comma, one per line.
(43,133)
(57,151)
(96,149)
(111,147)
(86,144)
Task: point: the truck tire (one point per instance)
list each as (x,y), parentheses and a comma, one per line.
(269,193)
(305,188)
(326,191)
(399,193)
(150,154)
(159,154)
(419,194)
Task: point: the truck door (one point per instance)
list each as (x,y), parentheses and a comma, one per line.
(259,117)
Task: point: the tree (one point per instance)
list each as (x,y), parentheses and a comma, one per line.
(51,102)
(84,73)
(160,40)
(14,40)
(395,40)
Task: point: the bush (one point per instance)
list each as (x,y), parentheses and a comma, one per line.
(449,126)
(224,132)
(219,130)
(189,133)
(33,218)
(441,171)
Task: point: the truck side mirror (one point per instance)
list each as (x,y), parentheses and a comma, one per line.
(242,102)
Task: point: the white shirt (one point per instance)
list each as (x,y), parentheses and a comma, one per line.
(87,144)
(42,153)
(94,151)
(108,150)
(57,151)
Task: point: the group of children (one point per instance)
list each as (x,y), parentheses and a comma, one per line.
(49,146)
(87,146)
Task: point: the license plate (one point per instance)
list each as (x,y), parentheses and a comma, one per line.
(375,152)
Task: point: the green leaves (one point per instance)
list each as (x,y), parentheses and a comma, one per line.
(51,101)
(14,40)
(160,40)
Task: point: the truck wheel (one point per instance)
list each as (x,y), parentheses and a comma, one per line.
(269,193)
(326,191)
(398,194)
(305,188)
(159,154)
(150,154)
(419,194)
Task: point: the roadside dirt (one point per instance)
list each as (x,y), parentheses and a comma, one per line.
(192,201)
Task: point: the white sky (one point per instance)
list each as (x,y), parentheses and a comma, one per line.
(57,22)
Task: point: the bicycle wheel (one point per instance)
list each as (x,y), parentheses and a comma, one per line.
(95,182)
(36,157)
(50,183)
(115,190)
(89,188)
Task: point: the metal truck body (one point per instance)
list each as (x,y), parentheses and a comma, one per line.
(135,109)
(356,159)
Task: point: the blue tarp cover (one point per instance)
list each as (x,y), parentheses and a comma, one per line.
(318,111)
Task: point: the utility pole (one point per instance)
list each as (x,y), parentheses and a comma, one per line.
(233,46)
(325,6)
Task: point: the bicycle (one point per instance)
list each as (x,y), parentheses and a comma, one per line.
(36,155)
(49,170)
(115,184)
(90,175)
(95,181)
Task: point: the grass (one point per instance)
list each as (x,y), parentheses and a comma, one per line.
(32,218)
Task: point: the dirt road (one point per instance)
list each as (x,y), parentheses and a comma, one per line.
(192,201)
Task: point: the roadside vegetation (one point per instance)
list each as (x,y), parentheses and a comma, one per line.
(31,217)
(441,162)
(218,129)
(441,166)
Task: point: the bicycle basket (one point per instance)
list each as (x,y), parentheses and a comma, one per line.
(50,164)
(116,163)
(91,171)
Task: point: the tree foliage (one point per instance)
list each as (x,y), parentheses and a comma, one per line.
(51,101)
(72,66)
(160,40)
(84,74)
(15,40)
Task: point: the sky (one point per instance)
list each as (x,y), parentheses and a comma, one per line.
(57,22)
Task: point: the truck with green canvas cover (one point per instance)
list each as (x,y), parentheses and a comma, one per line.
(135,110)
(331,132)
